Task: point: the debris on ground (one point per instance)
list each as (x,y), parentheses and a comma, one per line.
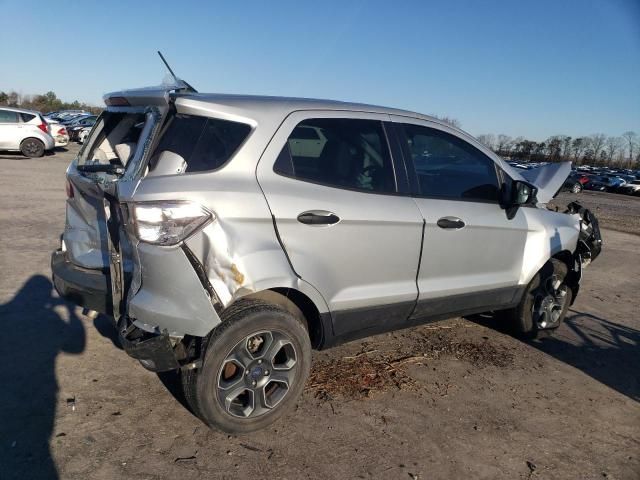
(71,402)
(480,354)
(358,376)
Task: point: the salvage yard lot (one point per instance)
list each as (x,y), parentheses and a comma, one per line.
(453,399)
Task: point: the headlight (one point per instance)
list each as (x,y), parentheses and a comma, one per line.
(169,223)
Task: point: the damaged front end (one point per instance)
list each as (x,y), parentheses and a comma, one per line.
(590,240)
(588,247)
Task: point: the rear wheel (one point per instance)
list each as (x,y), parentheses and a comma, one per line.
(32,147)
(544,303)
(255,367)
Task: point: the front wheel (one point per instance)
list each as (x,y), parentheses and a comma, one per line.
(255,367)
(32,147)
(577,188)
(544,304)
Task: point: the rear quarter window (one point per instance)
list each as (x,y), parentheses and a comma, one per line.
(27,117)
(204,143)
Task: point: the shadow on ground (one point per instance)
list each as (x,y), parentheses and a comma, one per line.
(604,350)
(37,327)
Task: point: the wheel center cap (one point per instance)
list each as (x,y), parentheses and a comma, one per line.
(256,372)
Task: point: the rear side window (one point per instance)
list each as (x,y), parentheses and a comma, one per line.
(449,167)
(27,117)
(339,152)
(204,143)
(8,117)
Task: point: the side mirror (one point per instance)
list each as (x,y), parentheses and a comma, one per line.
(516,193)
(522,193)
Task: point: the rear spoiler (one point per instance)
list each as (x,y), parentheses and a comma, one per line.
(157,95)
(142,97)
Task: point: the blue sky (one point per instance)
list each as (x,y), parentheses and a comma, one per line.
(532,68)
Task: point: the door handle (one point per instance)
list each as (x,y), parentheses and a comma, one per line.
(450,223)
(318,217)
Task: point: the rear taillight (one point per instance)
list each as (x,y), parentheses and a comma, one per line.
(44,127)
(169,223)
(62,131)
(69,189)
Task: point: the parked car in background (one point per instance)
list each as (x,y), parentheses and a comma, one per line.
(84,133)
(596,183)
(631,188)
(575,183)
(58,132)
(257,228)
(76,126)
(24,131)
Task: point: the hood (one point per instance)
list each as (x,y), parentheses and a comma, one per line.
(548,179)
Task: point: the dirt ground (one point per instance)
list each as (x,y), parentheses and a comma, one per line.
(456,399)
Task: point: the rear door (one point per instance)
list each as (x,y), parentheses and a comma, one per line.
(472,255)
(347,229)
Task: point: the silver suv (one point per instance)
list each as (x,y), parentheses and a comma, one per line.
(24,131)
(229,235)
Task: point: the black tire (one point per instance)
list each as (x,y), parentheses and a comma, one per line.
(245,321)
(525,320)
(577,188)
(32,148)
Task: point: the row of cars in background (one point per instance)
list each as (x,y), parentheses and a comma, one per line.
(77,123)
(600,179)
(32,133)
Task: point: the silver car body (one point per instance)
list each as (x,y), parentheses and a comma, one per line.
(386,256)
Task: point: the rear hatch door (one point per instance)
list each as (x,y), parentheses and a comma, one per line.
(110,164)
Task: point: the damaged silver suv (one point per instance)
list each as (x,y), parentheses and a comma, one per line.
(228,235)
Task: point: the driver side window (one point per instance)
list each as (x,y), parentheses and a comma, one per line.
(448,167)
(339,152)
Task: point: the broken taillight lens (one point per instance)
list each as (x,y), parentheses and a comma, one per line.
(169,223)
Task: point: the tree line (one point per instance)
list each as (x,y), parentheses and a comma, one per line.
(596,150)
(48,102)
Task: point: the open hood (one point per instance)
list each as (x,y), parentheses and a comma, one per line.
(547,178)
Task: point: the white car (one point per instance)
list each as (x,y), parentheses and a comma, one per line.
(631,188)
(84,133)
(24,131)
(58,132)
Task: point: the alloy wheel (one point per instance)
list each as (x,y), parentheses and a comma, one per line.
(257,374)
(549,303)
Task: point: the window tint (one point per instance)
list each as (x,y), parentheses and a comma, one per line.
(27,117)
(347,153)
(447,166)
(8,117)
(204,143)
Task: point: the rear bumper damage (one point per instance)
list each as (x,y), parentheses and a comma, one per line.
(85,287)
(163,313)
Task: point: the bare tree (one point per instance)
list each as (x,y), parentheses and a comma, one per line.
(578,146)
(631,139)
(612,145)
(488,140)
(597,143)
(503,144)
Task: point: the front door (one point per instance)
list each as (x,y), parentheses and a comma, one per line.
(347,231)
(472,256)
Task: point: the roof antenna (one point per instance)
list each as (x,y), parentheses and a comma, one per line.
(166,64)
(186,86)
